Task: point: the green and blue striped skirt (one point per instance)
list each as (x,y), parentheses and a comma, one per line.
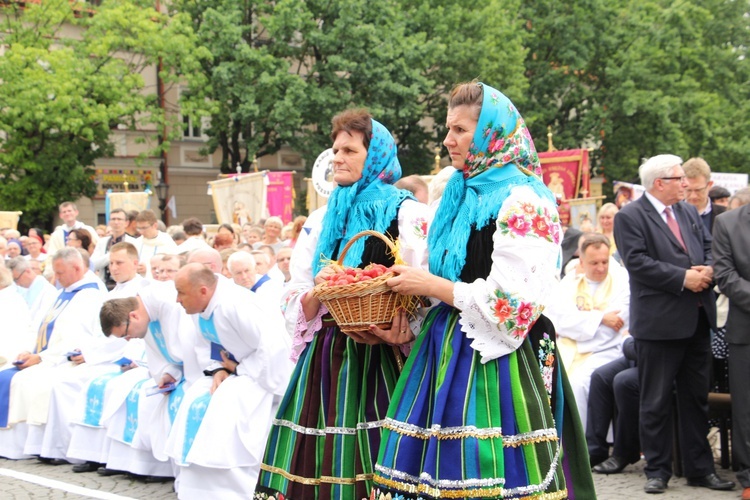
(326,435)
(458,428)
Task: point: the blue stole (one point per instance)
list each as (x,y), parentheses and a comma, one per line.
(45,332)
(208,330)
(195,418)
(154,327)
(48,325)
(95,399)
(5,379)
(131,410)
(257,284)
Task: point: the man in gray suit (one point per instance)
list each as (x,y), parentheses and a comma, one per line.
(732,273)
(667,253)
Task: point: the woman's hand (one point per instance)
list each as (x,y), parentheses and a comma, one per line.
(364,337)
(415,281)
(400,332)
(326,273)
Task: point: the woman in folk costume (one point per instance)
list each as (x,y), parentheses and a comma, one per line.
(325,439)
(483,409)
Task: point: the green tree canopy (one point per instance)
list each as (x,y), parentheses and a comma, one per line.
(63,95)
(639,78)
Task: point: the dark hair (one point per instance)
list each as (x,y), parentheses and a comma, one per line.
(718,192)
(114,312)
(192,226)
(85,238)
(131,215)
(227,227)
(467,94)
(353,120)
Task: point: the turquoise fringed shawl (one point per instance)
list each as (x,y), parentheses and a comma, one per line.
(502,156)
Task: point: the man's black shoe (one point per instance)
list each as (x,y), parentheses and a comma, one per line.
(613,465)
(103,471)
(711,481)
(86,467)
(655,485)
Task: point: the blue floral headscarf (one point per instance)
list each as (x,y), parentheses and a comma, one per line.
(501,156)
(370,203)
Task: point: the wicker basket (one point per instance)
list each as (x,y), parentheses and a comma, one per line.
(356,306)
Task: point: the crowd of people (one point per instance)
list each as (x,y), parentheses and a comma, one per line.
(163,353)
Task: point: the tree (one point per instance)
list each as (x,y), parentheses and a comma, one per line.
(639,78)
(354,53)
(249,96)
(62,96)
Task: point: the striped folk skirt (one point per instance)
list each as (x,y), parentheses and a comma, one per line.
(458,428)
(326,435)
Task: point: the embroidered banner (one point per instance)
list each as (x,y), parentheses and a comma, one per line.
(566,173)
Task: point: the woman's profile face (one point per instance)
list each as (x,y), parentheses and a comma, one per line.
(461,124)
(349,157)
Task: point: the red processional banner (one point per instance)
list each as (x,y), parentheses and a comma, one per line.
(566,173)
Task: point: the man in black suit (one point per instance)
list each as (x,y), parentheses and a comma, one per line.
(732,264)
(667,252)
(699,181)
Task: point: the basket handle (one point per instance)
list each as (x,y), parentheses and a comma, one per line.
(388,242)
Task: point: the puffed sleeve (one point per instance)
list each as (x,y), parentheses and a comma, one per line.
(302,281)
(498,312)
(414,220)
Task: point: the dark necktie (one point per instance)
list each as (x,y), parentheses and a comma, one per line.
(674,227)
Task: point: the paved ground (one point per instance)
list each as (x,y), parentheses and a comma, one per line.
(56,482)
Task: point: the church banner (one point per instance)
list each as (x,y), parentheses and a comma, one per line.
(240,198)
(9,219)
(280,195)
(566,173)
(127,201)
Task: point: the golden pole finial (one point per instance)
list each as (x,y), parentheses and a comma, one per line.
(437,161)
(550,146)
(255,163)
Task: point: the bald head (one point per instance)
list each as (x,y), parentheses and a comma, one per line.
(195,284)
(209,257)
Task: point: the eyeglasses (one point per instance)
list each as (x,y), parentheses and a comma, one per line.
(681,178)
(127,326)
(696,190)
(142,228)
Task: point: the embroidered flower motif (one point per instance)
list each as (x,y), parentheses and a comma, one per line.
(502,310)
(524,219)
(513,314)
(547,361)
(518,224)
(525,313)
(419,226)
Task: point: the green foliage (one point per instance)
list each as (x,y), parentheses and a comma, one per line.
(62,95)
(635,78)
(248,93)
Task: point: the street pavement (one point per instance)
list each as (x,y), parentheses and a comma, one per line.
(29,479)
